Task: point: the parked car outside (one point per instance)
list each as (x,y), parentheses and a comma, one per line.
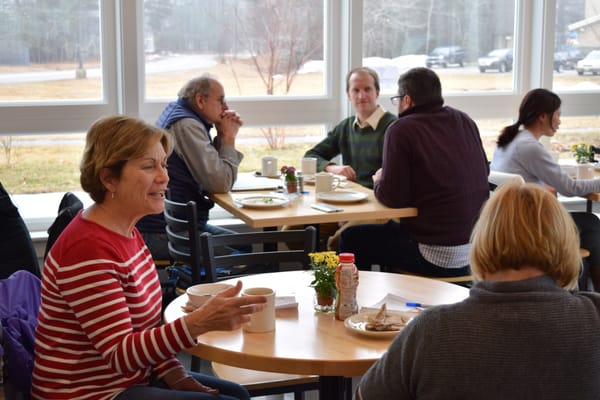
(500,60)
(591,63)
(567,58)
(444,56)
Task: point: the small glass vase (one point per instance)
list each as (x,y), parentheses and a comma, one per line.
(291,187)
(324,303)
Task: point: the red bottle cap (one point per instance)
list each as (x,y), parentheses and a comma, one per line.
(346,258)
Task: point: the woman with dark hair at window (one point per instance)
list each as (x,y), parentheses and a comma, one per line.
(520,152)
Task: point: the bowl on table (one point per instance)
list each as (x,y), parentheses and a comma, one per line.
(200,294)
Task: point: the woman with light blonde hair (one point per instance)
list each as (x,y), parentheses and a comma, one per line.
(524,231)
(521,334)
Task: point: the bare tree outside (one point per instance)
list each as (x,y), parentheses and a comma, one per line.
(281,35)
(7,145)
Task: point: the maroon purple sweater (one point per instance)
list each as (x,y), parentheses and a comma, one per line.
(433,159)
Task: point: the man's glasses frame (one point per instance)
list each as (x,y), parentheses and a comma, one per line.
(397,99)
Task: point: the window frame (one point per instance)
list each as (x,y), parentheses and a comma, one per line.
(123,76)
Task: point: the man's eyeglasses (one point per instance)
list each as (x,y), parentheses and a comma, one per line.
(220,100)
(397,99)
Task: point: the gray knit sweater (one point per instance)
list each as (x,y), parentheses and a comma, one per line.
(528,339)
(526,156)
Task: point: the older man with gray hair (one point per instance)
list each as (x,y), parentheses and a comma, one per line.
(199,164)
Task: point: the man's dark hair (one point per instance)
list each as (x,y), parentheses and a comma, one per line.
(421,84)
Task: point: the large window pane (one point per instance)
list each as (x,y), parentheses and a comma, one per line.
(255,47)
(22,171)
(451,36)
(576,45)
(50,50)
(287,143)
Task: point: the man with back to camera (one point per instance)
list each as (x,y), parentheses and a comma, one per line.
(358,139)
(199,164)
(433,160)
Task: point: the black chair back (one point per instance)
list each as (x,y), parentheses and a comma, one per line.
(67,210)
(270,251)
(198,250)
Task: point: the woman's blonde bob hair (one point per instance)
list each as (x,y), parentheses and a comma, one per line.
(524,225)
(110,142)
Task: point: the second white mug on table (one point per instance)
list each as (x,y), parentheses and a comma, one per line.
(269,166)
(309,166)
(262,321)
(325,182)
(585,171)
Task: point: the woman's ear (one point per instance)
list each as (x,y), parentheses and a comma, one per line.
(108,180)
(542,118)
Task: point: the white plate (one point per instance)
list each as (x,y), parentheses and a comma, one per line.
(342,196)
(358,322)
(263,201)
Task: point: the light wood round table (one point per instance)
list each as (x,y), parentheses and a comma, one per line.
(311,343)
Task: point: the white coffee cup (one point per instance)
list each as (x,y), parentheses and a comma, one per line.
(200,294)
(269,166)
(262,321)
(309,166)
(325,182)
(585,171)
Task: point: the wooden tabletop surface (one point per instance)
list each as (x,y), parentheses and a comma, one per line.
(299,212)
(307,342)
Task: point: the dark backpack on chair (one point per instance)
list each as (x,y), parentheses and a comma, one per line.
(17,251)
(67,210)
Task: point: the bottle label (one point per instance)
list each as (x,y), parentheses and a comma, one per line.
(346,304)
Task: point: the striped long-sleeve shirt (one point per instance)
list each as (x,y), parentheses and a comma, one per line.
(99,328)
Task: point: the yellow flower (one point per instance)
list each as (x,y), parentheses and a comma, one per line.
(582,152)
(324,264)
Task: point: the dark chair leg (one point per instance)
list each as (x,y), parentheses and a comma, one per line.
(348,388)
(196,364)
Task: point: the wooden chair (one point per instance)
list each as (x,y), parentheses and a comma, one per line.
(262,383)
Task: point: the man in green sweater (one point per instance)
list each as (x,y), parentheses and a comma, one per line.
(358,139)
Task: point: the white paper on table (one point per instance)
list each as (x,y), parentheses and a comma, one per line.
(282,302)
(392,301)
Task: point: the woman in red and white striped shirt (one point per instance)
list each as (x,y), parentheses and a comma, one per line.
(99,334)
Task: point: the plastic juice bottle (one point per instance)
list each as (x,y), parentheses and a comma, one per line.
(346,282)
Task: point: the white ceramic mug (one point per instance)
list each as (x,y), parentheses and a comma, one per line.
(262,321)
(309,166)
(269,166)
(200,294)
(325,182)
(585,171)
